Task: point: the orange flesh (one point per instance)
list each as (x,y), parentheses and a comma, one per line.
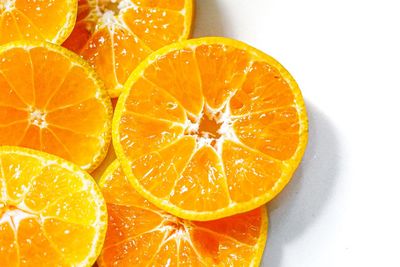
(140,233)
(238,112)
(55,106)
(115,36)
(33,20)
(38,213)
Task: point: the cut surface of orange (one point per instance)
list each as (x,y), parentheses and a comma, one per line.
(209,127)
(114,36)
(51,100)
(45,20)
(51,212)
(141,234)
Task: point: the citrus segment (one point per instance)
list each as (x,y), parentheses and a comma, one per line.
(45,20)
(146,134)
(74,240)
(156,168)
(140,233)
(160,104)
(34,247)
(274,133)
(157,27)
(115,36)
(58,105)
(193,192)
(263,88)
(167,4)
(246,168)
(222,70)
(51,212)
(175,72)
(8,243)
(242,109)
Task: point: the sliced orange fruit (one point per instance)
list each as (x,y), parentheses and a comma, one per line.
(51,212)
(141,234)
(46,20)
(209,127)
(114,36)
(51,100)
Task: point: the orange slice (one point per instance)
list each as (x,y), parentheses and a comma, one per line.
(51,212)
(209,127)
(114,36)
(51,100)
(47,20)
(141,234)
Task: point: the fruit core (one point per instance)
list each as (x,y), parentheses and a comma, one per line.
(176,226)
(211,127)
(109,5)
(13,214)
(107,11)
(7,5)
(37,117)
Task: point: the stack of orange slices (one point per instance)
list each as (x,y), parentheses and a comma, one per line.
(206,131)
(114,36)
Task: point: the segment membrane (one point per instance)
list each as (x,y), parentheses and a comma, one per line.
(275,132)
(118,190)
(155,27)
(202,185)
(246,168)
(141,135)
(159,171)
(263,89)
(49,17)
(8,244)
(13,62)
(147,99)
(177,73)
(222,70)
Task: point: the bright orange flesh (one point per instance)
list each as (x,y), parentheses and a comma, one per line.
(209,128)
(51,101)
(51,212)
(47,20)
(115,36)
(141,234)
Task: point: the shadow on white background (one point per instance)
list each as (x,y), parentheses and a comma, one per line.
(208,20)
(298,206)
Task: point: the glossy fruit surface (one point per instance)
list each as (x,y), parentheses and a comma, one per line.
(210,127)
(141,234)
(115,36)
(51,100)
(44,20)
(51,212)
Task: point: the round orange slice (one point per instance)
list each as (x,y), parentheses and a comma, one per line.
(51,212)
(51,100)
(47,20)
(114,36)
(140,234)
(209,127)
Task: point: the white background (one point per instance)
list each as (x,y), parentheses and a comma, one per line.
(342,206)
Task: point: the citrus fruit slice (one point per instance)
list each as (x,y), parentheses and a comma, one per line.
(114,36)
(141,234)
(209,127)
(51,212)
(51,100)
(46,20)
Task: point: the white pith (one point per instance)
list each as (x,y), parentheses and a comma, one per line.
(7,5)
(14,212)
(221,116)
(37,117)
